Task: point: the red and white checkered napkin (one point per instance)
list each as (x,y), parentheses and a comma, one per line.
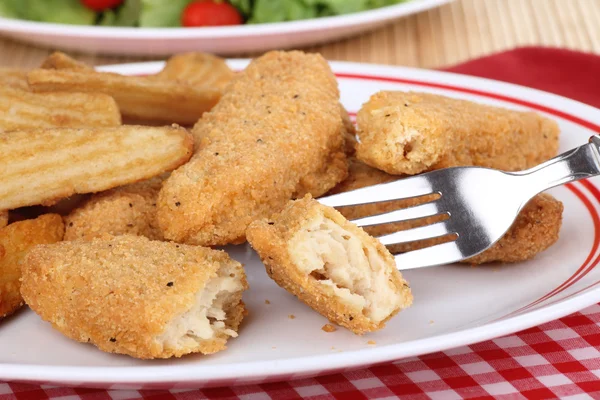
(560,359)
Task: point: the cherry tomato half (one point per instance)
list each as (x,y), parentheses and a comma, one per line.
(101,5)
(210,13)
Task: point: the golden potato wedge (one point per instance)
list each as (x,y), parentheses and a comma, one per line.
(20,109)
(42,166)
(145,98)
(197,69)
(14,78)
(59,60)
(15,240)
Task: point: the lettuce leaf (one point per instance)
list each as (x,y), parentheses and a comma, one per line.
(54,11)
(162,13)
(128,14)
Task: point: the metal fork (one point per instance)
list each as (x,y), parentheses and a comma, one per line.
(481,203)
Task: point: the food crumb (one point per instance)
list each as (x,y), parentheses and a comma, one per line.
(274,347)
(291,316)
(431,322)
(372,342)
(267,302)
(329,328)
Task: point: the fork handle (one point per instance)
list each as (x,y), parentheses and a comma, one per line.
(579,163)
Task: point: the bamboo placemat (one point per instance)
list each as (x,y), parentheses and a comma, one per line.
(444,36)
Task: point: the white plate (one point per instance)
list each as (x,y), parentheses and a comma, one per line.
(221,40)
(454,305)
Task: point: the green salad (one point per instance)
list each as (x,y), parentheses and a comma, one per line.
(177,13)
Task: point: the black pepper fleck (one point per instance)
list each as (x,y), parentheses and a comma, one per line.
(259,140)
(351,318)
(170,284)
(130,205)
(112,339)
(216,154)
(387,115)
(70,224)
(177,204)
(296,96)
(271,223)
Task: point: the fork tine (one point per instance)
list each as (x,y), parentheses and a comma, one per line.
(445,253)
(402,188)
(412,235)
(405,214)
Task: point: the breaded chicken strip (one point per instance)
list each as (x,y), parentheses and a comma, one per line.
(16,240)
(408,133)
(276,134)
(536,228)
(336,268)
(3,218)
(134,296)
(126,210)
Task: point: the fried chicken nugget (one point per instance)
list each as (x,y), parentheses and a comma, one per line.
(13,78)
(409,133)
(333,266)
(20,109)
(197,69)
(126,210)
(276,134)
(42,166)
(134,296)
(16,240)
(535,229)
(141,97)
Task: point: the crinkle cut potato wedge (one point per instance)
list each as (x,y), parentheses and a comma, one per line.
(409,133)
(145,98)
(102,292)
(16,240)
(197,69)
(535,229)
(21,109)
(43,166)
(277,133)
(126,210)
(330,264)
(59,60)
(14,78)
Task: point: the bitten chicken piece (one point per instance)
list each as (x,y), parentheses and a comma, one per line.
(134,296)
(409,133)
(333,266)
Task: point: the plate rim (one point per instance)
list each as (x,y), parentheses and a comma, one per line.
(358,18)
(246,371)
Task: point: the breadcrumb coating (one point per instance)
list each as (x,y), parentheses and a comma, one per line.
(126,210)
(130,295)
(409,133)
(16,240)
(333,266)
(277,133)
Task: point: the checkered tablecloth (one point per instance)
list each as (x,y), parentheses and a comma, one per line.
(560,359)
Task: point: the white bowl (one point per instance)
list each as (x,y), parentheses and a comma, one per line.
(220,40)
